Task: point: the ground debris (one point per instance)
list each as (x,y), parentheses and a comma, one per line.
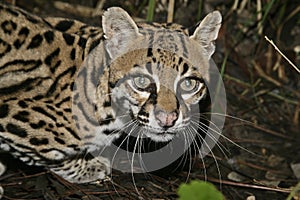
(296,170)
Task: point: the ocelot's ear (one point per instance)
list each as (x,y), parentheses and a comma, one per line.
(207,31)
(119,30)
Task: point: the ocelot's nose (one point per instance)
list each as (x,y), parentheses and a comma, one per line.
(166,119)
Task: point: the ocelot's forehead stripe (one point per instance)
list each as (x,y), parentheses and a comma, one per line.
(172,39)
(149,67)
(185,69)
(183,44)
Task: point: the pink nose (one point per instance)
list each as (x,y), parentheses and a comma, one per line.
(166,120)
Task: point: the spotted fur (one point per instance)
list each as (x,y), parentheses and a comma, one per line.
(67,89)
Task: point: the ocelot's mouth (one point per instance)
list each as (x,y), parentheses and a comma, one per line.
(160,134)
(165,133)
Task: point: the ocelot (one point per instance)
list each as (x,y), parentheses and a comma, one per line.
(68,89)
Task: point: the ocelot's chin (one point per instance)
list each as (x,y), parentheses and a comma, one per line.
(160,136)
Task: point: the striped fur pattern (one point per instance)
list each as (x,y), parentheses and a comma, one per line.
(41,74)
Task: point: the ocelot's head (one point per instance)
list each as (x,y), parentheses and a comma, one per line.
(156,74)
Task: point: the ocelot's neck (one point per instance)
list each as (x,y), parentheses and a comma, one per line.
(91,43)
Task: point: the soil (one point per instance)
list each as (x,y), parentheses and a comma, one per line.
(261,135)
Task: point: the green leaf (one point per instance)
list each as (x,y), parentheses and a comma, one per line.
(151,10)
(199,190)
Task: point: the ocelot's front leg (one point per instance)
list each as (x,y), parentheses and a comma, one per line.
(83,169)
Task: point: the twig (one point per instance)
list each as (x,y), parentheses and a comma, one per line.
(258,127)
(270,79)
(30,176)
(83,11)
(277,49)
(291,101)
(231,78)
(235,5)
(259,17)
(242,6)
(246,185)
(99,8)
(296,115)
(258,167)
(286,18)
(264,75)
(170,11)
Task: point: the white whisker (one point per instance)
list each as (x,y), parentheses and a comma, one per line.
(212,153)
(132,164)
(189,152)
(204,128)
(226,138)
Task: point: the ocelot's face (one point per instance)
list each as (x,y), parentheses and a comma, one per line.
(160,94)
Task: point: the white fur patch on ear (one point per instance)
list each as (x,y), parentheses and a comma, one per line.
(207,32)
(119,29)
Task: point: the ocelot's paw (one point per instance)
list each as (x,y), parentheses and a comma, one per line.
(83,170)
(2,170)
(1,192)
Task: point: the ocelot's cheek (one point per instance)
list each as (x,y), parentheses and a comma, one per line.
(195,98)
(184,111)
(139,97)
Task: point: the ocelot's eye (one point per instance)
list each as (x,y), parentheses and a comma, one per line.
(189,85)
(141,82)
